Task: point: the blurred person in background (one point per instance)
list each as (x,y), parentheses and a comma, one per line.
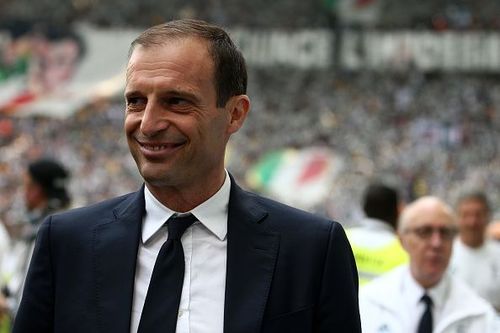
(422,297)
(493,231)
(476,259)
(4,250)
(253,265)
(374,242)
(45,192)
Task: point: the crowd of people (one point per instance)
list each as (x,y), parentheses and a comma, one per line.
(425,295)
(432,14)
(430,135)
(427,134)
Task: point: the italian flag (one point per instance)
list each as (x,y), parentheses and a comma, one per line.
(301,178)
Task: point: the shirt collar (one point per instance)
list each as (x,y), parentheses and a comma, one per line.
(437,293)
(376,224)
(212,213)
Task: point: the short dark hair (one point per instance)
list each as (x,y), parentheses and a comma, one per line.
(476,195)
(52,177)
(230,72)
(381,202)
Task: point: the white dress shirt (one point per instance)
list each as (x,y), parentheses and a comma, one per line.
(413,292)
(201,308)
(479,268)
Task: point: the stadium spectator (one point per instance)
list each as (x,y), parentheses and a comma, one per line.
(374,242)
(476,259)
(493,230)
(45,192)
(4,243)
(421,296)
(4,250)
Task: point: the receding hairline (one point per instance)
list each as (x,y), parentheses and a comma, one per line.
(166,41)
(230,73)
(474,195)
(411,211)
(180,29)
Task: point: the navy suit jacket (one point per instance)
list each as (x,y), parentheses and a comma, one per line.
(287,270)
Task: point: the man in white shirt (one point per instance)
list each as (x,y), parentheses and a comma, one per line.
(247,264)
(476,259)
(422,297)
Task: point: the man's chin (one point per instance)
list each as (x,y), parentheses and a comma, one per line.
(155,176)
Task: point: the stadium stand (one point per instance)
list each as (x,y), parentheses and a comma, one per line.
(429,132)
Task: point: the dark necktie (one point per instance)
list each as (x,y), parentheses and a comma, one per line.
(425,324)
(164,292)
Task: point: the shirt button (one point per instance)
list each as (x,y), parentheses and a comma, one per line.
(180,314)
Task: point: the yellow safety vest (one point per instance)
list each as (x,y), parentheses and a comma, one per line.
(374,261)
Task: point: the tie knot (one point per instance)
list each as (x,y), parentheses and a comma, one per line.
(177,225)
(427,300)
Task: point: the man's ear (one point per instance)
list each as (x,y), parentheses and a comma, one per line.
(402,240)
(238,107)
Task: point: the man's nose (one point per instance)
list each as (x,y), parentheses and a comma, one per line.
(437,238)
(154,120)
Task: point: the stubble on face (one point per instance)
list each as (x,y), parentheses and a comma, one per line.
(175,132)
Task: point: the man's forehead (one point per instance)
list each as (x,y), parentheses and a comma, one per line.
(169,42)
(431,217)
(140,53)
(471,202)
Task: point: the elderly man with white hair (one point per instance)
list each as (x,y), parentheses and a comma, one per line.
(421,297)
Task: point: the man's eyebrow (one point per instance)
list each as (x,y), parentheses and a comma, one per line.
(179,93)
(166,94)
(132,93)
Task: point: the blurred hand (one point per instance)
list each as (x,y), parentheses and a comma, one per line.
(493,230)
(3,306)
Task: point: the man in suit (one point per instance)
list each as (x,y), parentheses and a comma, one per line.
(251,264)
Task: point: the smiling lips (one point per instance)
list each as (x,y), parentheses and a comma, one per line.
(154,149)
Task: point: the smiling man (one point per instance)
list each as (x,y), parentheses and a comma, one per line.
(421,297)
(190,251)
(473,252)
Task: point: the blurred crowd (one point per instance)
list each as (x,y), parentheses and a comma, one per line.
(429,134)
(416,14)
(90,144)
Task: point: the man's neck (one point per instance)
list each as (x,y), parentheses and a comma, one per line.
(472,240)
(183,199)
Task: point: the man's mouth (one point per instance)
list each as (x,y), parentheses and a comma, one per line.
(154,147)
(159,147)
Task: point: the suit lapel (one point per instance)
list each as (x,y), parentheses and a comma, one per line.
(115,250)
(251,256)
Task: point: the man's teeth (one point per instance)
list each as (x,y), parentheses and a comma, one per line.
(156,147)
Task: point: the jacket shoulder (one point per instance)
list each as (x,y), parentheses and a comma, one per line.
(285,216)
(383,289)
(93,213)
(465,298)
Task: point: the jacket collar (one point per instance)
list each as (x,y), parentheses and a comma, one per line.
(460,302)
(115,244)
(252,249)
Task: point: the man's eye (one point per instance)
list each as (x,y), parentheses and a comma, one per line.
(176,101)
(131,101)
